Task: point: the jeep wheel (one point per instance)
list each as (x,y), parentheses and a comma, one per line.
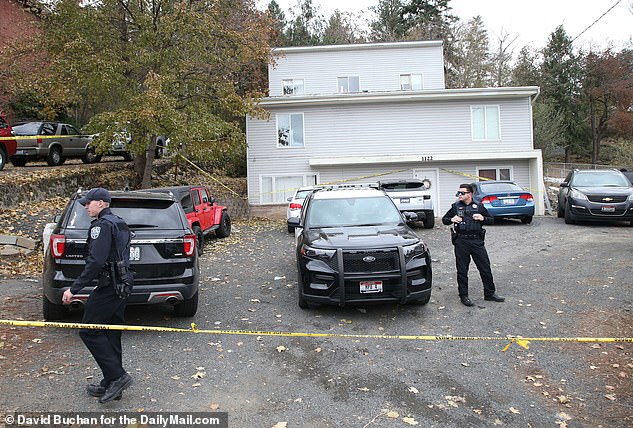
(51,311)
(18,161)
(527,219)
(90,156)
(225,226)
(199,238)
(569,219)
(429,221)
(3,158)
(128,156)
(54,157)
(188,307)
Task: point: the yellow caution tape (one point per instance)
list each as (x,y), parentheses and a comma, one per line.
(209,175)
(521,341)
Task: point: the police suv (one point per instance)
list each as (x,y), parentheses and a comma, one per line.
(163,256)
(353,246)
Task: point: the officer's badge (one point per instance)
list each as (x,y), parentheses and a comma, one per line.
(474,205)
(95,231)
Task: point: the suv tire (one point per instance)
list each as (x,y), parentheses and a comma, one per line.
(53,312)
(188,307)
(90,156)
(3,158)
(225,226)
(55,157)
(429,221)
(421,301)
(568,216)
(200,238)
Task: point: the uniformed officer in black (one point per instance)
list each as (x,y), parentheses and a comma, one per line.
(107,234)
(467,218)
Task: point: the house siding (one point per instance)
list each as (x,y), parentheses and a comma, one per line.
(378,69)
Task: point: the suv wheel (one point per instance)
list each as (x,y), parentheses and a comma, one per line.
(561,211)
(225,226)
(429,221)
(200,238)
(54,157)
(188,307)
(51,311)
(3,158)
(569,219)
(422,300)
(18,161)
(90,156)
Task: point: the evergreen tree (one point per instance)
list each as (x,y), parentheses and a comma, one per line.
(388,24)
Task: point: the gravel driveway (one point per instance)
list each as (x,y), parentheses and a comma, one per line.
(559,281)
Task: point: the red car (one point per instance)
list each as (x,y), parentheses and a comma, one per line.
(202,211)
(7,147)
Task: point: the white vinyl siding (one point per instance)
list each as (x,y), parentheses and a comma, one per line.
(290,130)
(485,123)
(293,86)
(278,188)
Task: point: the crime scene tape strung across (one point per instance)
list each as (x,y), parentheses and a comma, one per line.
(521,341)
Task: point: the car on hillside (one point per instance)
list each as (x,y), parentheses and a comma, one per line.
(504,199)
(353,246)
(412,195)
(163,255)
(51,141)
(8,146)
(295,203)
(203,212)
(596,195)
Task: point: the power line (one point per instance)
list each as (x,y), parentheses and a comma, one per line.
(594,22)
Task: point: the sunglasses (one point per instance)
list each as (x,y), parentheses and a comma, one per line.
(460,193)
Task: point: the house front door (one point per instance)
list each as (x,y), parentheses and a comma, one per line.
(432,176)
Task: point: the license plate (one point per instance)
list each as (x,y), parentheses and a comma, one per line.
(509,201)
(135,253)
(608,209)
(404,200)
(371,286)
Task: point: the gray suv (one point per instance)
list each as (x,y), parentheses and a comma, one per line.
(51,141)
(412,195)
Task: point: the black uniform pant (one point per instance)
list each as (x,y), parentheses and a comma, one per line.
(105,307)
(464,250)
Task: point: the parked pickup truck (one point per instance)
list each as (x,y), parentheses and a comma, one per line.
(7,147)
(202,211)
(412,195)
(52,141)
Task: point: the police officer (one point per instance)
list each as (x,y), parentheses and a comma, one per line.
(467,218)
(108,241)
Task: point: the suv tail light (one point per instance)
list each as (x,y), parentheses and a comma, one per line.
(528,197)
(190,245)
(40,141)
(488,199)
(58,246)
(295,206)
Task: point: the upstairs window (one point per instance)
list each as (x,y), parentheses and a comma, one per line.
(290,130)
(410,82)
(293,86)
(348,84)
(495,173)
(485,123)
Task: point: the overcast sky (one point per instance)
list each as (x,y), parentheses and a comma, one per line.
(531,20)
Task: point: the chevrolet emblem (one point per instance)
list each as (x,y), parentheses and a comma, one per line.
(607,199)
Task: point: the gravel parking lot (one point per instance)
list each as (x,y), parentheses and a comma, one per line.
(559,281)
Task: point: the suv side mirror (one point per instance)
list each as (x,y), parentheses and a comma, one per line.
(564,184)
(410,216)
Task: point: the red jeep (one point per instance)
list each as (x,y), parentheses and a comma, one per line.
(203,213)
(7,147)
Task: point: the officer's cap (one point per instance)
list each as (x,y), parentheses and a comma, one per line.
(96,194)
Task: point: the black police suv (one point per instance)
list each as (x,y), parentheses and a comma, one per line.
(354,247)
(163,254)
(596,195)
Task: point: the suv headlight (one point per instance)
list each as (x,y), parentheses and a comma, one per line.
(631,197)
(577,195)
(317,253)
(411,251)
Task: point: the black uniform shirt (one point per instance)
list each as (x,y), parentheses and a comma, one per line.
(468,224)
(100,250)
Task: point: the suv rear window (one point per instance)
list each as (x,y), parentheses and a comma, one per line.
(30,128)
(406,185)
(137,213)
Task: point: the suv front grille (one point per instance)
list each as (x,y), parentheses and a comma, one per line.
(614,199)
(358,262)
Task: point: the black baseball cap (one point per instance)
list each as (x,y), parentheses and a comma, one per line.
(96,194)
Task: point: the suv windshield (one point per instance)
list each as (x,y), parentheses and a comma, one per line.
(499,187)
(352,212)
(600,179)
(161,214)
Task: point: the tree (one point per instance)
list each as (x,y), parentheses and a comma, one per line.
(427,19)
(501,59)
(608,87)
(527,68)
(278,27)
(306,28)
(561,76)
(159,68)
(472,68)
(340,29)
(388,24)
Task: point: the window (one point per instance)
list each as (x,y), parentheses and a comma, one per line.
(495,173)
(290,130)
(292,86)
(278,188)
(196,197)
(348,84)
(410,82)
(485,122)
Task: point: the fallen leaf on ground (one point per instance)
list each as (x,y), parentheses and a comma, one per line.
(281,348)
(409,421)
(515,411)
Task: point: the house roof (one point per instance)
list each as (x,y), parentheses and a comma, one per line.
(358,46)
(400,96)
